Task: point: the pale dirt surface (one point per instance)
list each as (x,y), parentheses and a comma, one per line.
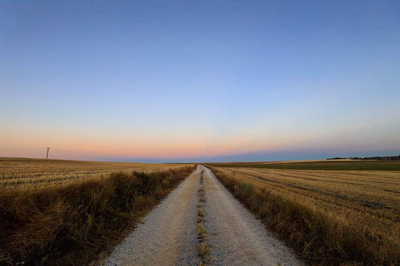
(167,236)
(235,236)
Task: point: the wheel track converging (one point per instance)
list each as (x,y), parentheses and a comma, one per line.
(165,236)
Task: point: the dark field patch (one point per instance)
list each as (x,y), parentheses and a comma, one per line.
(321,165)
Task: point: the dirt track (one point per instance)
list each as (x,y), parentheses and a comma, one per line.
(167,236)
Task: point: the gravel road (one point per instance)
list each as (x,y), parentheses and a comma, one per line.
(168,236)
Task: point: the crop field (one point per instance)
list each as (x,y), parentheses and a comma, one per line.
(368,200)
(21,172)
(56,212)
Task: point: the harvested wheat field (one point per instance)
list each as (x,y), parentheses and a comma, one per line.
(368,201)
(38,172)
(56,212)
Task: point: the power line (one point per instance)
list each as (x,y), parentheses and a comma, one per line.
(55,150)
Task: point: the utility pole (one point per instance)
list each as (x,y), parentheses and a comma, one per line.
(47,155)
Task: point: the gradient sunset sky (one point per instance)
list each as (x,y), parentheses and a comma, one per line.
(199,80)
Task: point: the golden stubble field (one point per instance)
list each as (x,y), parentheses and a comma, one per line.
(368,201)
(331,212)
(22,172)
(373,196)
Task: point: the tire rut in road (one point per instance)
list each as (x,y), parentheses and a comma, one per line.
(167,236)
(235,236)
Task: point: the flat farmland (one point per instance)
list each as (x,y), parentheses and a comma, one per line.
(342,165)
(21,172)
(365,199)
(375,194)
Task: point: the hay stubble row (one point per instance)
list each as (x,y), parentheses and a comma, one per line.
(29,173)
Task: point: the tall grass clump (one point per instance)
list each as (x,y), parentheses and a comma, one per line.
(320,237)
(73,224)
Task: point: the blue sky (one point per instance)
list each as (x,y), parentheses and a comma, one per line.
(186,80)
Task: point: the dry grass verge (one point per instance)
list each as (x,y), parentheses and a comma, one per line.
(72,224)
(203,249)
(320,237)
